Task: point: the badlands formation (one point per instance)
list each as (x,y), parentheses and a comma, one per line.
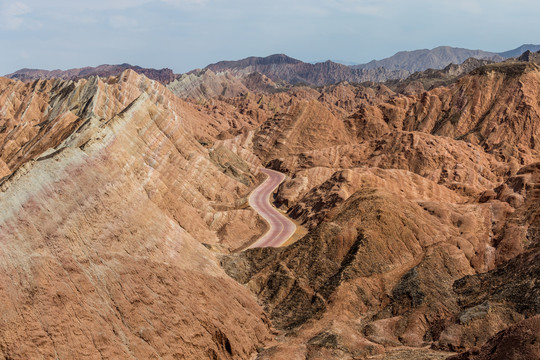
(125,207)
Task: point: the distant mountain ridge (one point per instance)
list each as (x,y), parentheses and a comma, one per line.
(519,50)
(276,59)
(280,67)
(284,70)
(419,60)
(440,57)
(164,76)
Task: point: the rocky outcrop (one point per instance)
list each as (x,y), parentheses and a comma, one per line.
(428,79)
(39,115)
(260,83)
(520,341)
(206,84)
(530,57)
(300,129)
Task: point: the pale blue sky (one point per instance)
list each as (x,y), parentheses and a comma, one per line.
(187,34)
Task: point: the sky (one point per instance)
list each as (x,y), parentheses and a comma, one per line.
(188,34)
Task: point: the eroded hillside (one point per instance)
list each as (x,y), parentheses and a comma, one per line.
(122,201)
(405,198)
(107,196)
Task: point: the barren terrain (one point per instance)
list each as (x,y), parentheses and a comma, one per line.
(125,202)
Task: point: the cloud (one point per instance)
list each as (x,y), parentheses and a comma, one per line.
(359,7)
(123,22)
(94,5)
(184,2)
(12,14)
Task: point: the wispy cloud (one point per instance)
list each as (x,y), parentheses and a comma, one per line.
(123,22)
(94,5)
(12,15)
(360,7)
(184,2)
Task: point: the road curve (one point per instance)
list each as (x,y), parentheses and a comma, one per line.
(281,228)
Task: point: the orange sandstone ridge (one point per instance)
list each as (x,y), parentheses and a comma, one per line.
(99,234)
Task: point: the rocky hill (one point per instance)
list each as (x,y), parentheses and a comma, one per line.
(520,341)
(206,84)
(164,76)
(431,78)
(101,238)
(530,57)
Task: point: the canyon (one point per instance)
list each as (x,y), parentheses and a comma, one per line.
(126,228)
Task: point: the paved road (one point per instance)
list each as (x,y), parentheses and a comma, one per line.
(281,228)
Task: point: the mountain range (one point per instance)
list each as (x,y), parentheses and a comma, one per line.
(281,68)
(280,72)
(163,75)
(440,57)
(437,58)
(519,50)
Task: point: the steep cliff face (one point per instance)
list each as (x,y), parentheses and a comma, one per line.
(107,200)
(495,107)
(530,57)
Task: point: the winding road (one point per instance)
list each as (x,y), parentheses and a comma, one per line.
(281,228)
